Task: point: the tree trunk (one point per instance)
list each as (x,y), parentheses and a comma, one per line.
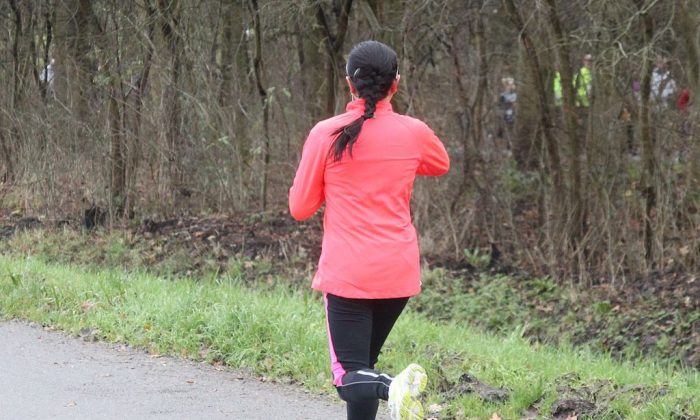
(546,120)
(170,14)
(8,174)
(227,55)
(259,69)
(688,26)
(301,57)
(577,223)
(16,55)
(333,41)
(49,17)
(648,138)
(115,122)
(534,67)
(5,142)
(472,125)
(85,28)
(118,166)
(133,153)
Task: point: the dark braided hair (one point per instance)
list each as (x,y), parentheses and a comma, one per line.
(372,68)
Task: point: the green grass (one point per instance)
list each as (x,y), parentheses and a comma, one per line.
(544,310)
(280,333)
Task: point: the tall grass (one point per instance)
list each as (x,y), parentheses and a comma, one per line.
(280,333)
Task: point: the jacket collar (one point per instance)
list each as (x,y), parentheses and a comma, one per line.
(358,105)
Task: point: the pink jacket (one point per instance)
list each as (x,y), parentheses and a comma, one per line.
(370,248)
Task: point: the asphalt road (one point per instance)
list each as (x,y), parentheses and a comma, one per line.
(49,375)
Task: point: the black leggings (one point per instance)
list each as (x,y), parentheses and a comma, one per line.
(357,329)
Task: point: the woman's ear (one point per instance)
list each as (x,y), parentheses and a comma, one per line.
(353,91)
(395,84)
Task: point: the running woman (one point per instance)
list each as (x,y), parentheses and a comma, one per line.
(362,165)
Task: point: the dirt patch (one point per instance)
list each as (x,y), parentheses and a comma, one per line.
(469,384)
(273,235)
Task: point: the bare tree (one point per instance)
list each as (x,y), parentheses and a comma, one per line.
(648,139)
(170,12)
(259,68)
(176,106)
(138,90)
(334,26)
(577,225)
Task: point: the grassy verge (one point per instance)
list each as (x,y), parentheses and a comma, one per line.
(640,319)
(279,332)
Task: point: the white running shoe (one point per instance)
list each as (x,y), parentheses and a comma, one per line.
(404,391)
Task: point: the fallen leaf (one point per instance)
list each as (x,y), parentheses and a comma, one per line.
(495,416)
(190,381)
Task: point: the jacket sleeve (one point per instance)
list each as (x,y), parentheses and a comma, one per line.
(306,195)
(434,158)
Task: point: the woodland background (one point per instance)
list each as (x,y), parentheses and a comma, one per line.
(171,107)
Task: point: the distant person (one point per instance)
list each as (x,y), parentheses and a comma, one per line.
(46,78)
(683,107)
(663,87)
(556,88)
(362,165)
(636,89)
(46,75)
(684,100)
(625,117)
(583,83)
(507,101)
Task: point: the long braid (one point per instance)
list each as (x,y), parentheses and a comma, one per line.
(374,71)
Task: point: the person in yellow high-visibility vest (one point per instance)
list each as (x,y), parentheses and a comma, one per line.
(583,83)
(556,87)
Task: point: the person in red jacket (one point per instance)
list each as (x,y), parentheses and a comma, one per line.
(362,165)
(684,100)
